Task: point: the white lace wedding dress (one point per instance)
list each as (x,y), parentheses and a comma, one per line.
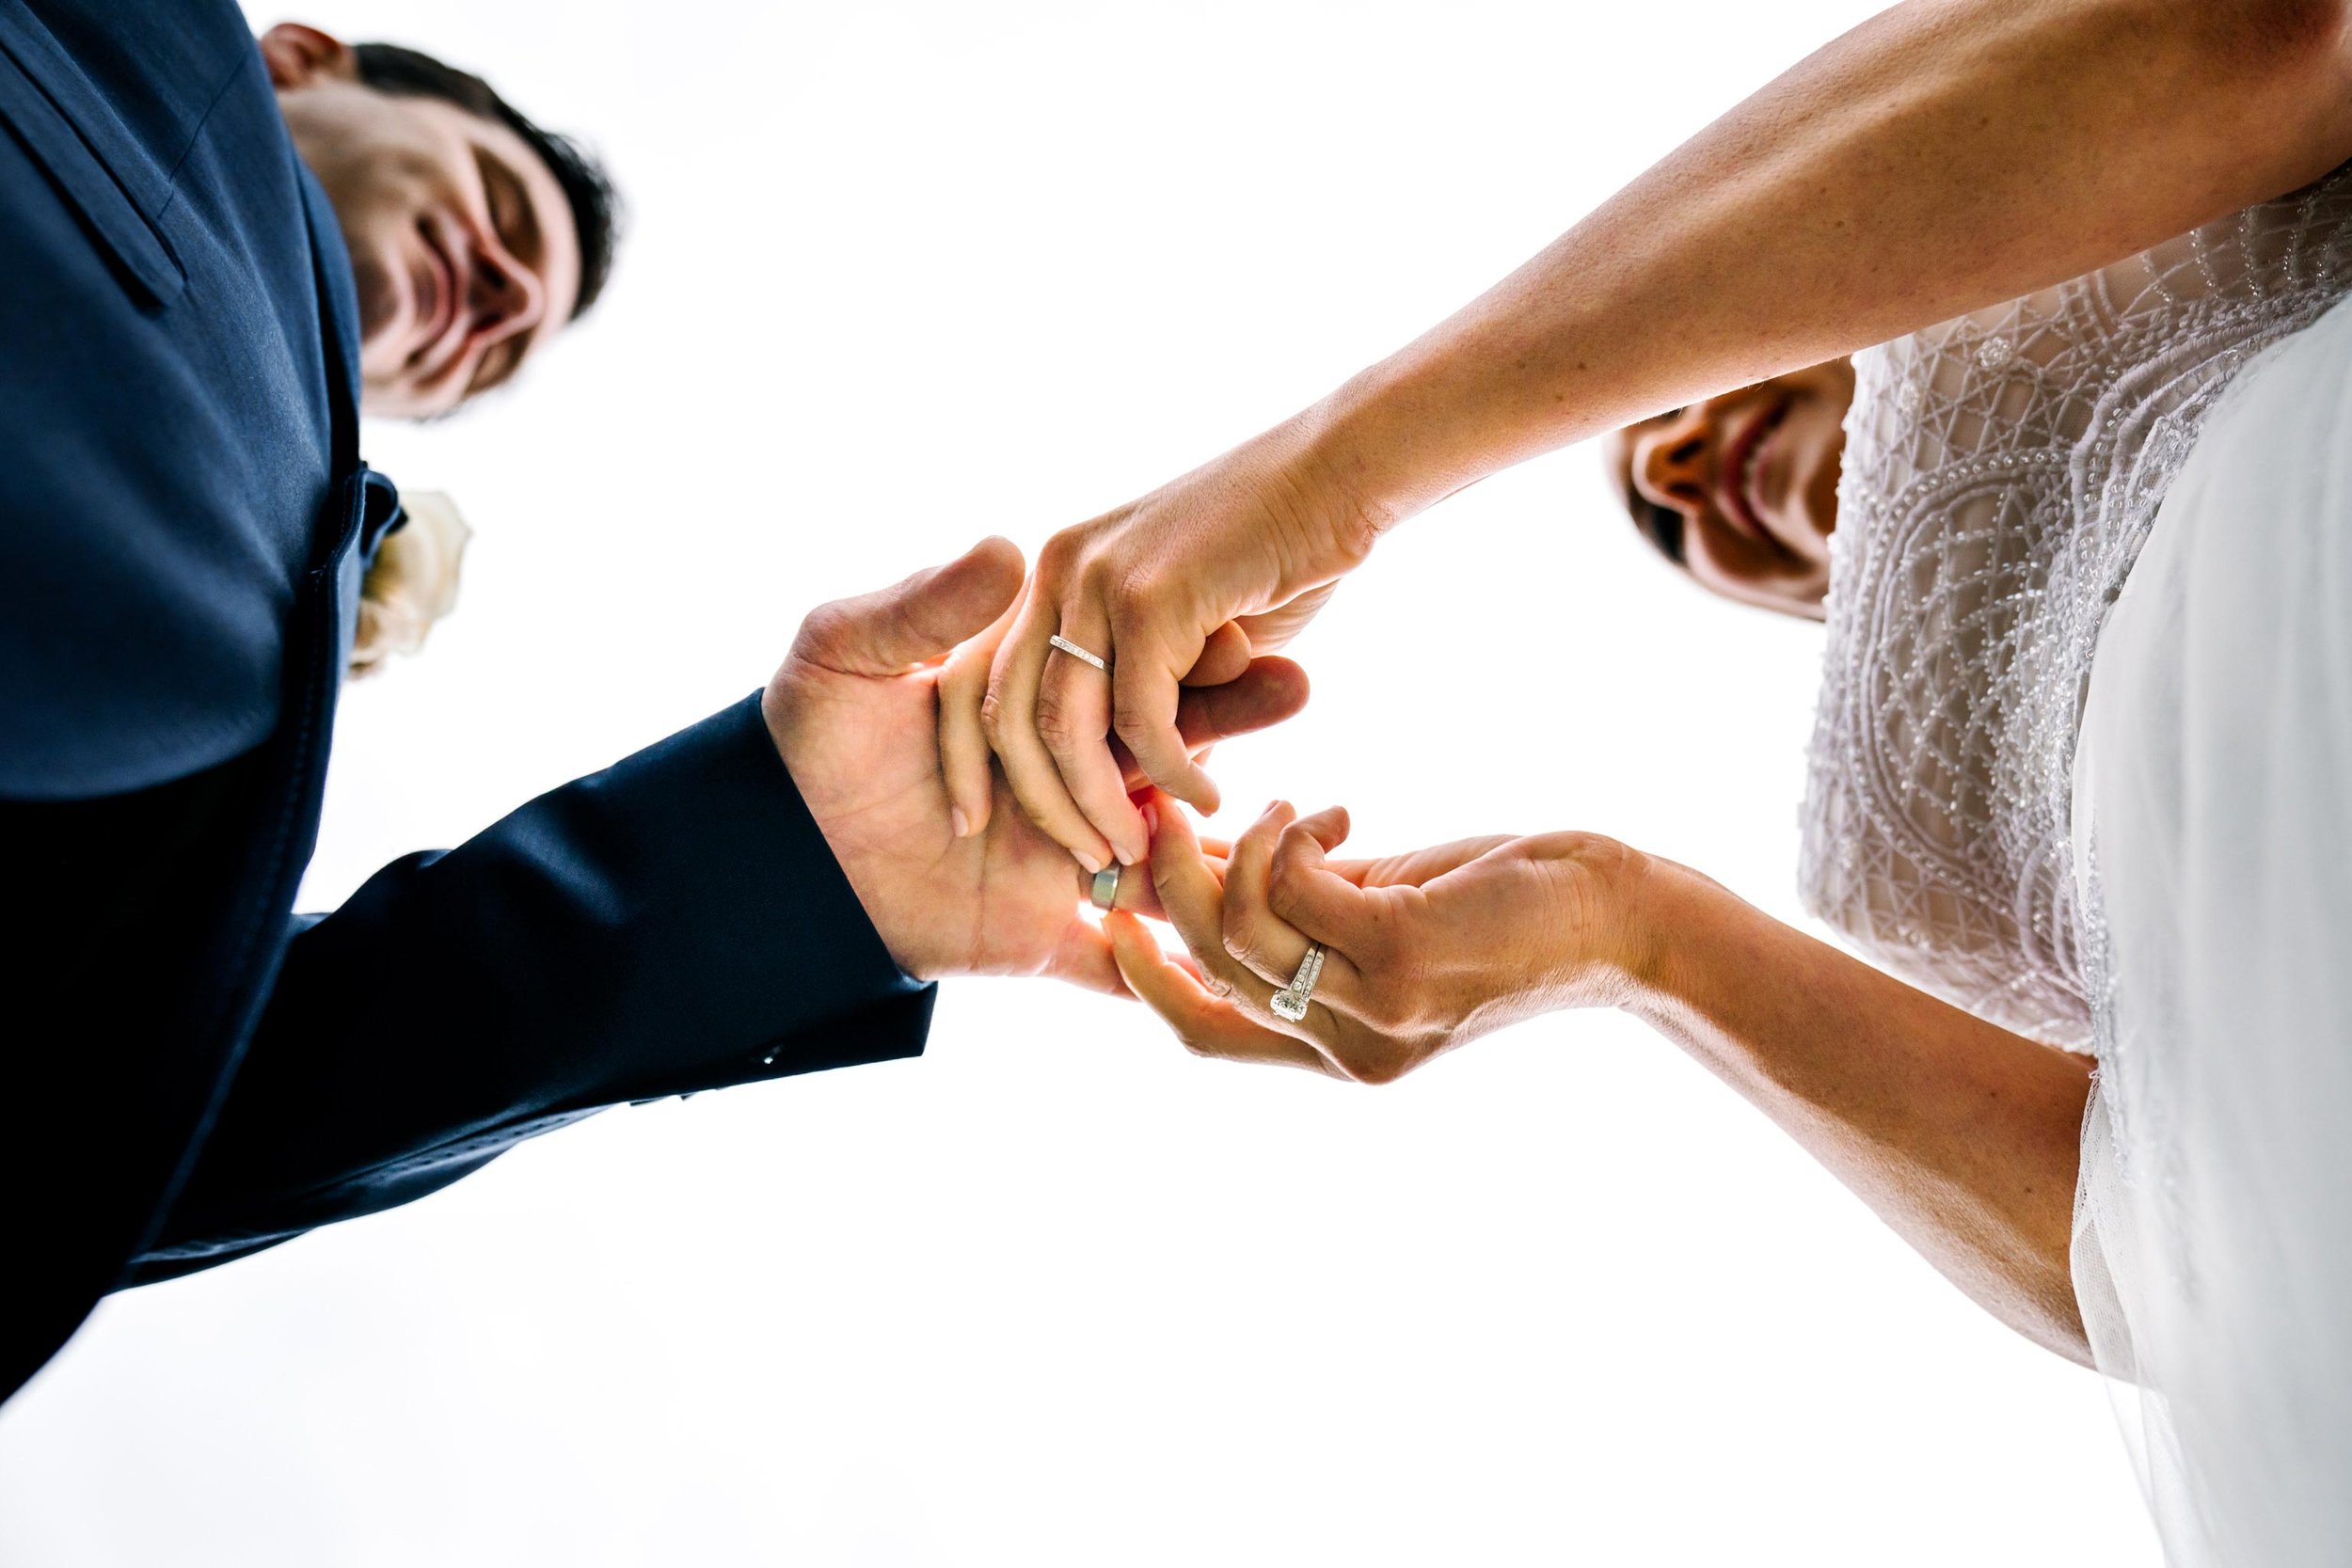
(2003,473)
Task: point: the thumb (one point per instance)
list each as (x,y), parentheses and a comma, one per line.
(911,623)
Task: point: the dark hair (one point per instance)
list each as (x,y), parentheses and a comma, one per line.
(1662,526)
(596,205)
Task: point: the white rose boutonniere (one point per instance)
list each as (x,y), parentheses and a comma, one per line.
(413,581)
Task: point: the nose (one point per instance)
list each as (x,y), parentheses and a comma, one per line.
(1673,463)
(507,298)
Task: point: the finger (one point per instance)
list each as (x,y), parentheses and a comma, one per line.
(1146,898)
(965,761)
(916,620)
(1264,694)
(1193,900)
(1133,890)
(1223,657)
(1260,942)
(1145,699)
(1419,867)
(1009,717)
(1207,1026)
(1082,957)
(1307,894)
(1272,631)
(1073,718)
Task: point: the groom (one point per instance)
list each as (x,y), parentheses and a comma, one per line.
(213,256)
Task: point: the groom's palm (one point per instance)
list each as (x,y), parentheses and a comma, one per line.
(863,749)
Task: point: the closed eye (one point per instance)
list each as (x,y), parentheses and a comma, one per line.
(509,207)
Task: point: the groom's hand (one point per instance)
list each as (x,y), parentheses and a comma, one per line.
(854,714)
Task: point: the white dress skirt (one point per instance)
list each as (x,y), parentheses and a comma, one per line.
(2213,804)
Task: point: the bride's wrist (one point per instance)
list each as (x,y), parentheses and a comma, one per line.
(1659,904)
(1329,479)
(1378,446)
(1402,434)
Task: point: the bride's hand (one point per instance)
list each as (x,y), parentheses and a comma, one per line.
(1423,950)
(1229,561)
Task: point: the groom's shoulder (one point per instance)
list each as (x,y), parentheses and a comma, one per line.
(166,413)
(137,87)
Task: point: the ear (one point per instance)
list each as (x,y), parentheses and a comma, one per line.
(300,56)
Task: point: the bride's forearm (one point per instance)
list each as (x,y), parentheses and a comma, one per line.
(1960,1134)
(1945,155)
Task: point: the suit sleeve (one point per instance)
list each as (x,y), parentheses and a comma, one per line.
(672,924)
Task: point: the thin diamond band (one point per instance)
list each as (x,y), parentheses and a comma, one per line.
(1075,652)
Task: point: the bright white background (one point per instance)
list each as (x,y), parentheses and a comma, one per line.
(903,274)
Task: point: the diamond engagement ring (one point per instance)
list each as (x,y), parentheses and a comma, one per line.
(1103,891)
(1291,1001)
(1058,640)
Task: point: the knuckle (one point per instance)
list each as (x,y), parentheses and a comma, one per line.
(1059,555)
(819,628)
(1055,726)
(1373,1068)
(1127,595)
(1135,729)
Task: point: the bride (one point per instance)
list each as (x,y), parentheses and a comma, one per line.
(2086,724)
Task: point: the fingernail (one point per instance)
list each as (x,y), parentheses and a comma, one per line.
(1150,820)
(1087,858)
(1126,858)
(961,823)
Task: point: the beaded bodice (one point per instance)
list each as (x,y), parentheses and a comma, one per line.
(2001,471)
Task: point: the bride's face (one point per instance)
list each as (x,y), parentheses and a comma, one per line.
(1742,490)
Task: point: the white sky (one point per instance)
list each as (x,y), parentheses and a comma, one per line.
(901,275)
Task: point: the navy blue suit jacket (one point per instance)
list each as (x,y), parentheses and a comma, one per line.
(191,1072)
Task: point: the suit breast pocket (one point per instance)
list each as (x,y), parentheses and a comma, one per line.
(68,129)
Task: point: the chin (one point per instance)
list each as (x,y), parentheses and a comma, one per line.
(390,399)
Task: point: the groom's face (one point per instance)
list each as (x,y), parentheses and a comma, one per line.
(462,244)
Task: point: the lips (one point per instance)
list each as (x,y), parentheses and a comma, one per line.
(1736,473)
